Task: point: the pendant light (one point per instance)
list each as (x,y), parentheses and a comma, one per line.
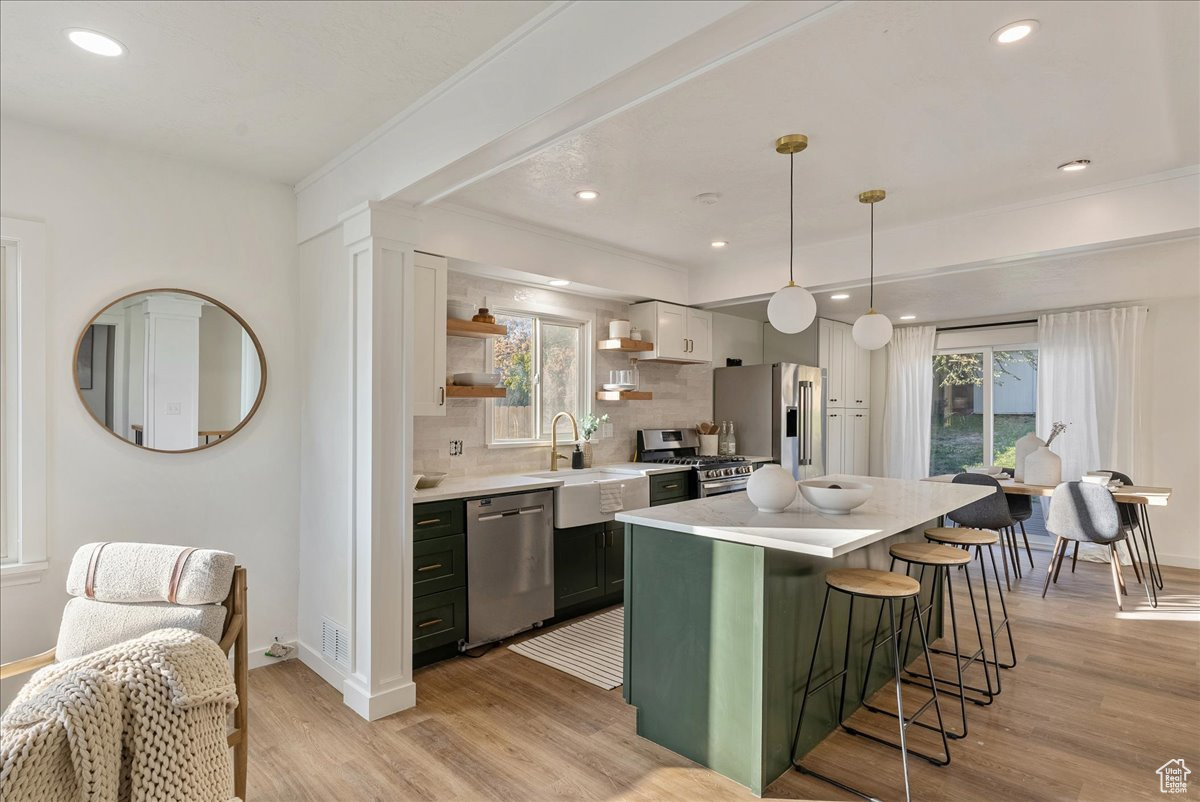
(872,330)
(792,309)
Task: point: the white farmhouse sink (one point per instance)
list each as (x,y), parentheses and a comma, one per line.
(577,502)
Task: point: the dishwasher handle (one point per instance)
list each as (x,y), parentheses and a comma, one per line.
(496,516)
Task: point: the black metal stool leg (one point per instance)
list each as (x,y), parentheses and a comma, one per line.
(987,599)
(1012,649)
(812,664)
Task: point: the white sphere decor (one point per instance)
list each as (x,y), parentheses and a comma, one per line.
(872,331)
(792,309)
(771,488)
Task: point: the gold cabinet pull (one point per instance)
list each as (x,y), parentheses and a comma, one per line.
(670,487)
(431,623)
(429,522)
(430,567)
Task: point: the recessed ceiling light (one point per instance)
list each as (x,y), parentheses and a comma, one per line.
(719,243)
(841,296)
(587,194)
(558,282)
(1075,166)
(908,317)
(1015,31)
(94,42)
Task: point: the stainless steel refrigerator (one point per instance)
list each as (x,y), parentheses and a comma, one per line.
(777,411)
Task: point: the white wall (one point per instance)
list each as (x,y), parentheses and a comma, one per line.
(119,220)
(1173,340)
(326,543)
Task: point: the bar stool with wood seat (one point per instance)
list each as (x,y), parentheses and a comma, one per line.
(887,587)
(941,559)
(966,538)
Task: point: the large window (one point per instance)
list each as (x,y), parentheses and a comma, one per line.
(544,361)
(984,400)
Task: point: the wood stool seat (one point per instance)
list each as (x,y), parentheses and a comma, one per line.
(877,584)
(962,536)
(930,554)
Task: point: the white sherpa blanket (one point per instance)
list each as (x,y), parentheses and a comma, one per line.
(144,720)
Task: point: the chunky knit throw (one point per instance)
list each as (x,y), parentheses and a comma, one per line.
(144,720)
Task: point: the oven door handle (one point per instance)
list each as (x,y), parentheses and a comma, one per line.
(738,482)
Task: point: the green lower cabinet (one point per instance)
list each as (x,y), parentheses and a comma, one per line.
(578,565)
(439,619)
(614,559)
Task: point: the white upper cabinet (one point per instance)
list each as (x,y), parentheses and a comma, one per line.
(699,334)
(428,377)
(679,333)
(847,366)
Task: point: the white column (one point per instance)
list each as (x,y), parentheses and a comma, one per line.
(172,372)
(379,239)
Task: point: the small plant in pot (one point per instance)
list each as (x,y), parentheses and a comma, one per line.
(588,426)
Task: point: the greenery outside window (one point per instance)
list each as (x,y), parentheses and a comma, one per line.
(984,400)
(546,367)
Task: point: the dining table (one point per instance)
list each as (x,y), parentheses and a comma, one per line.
(1142,496)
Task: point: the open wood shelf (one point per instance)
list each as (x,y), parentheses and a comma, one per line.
(624,344)
(623,395)
(469,328)
(457,391)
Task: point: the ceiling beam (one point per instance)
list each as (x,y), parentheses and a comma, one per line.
(543,83)
(1153,208)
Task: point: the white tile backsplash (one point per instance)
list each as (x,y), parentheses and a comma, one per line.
(682,393)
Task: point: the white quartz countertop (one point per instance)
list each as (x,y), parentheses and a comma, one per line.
(496,484)
(895,506)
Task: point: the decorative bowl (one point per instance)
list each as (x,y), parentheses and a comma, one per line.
(986,470)
(460,310)
(620,386)
(417,480)
(834,497)
(478,379)
(428,480)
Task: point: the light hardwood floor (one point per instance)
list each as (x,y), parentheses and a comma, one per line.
(1095,705)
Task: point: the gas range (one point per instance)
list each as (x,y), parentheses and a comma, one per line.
(712,475)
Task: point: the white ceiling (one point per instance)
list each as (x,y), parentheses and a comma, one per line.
(912,97)
(1143,272)
(270,88)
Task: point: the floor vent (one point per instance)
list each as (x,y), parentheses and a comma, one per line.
(335,643)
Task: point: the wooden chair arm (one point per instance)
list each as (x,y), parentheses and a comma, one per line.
(26,664)
(231,632)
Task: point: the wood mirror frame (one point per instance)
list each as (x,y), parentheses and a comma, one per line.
(262,363)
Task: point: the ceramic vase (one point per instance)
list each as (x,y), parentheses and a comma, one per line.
(771,488)
(708,445)
(587,453)
(1043,467)
(1025,446)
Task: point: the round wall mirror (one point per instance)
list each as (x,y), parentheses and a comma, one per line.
(169,370)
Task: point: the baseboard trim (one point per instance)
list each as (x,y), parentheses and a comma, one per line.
(400,696)
(324,669)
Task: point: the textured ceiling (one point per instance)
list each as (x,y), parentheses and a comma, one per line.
(909,96)
(271,88)
(1143,272)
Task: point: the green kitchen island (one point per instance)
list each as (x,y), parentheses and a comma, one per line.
(721,608)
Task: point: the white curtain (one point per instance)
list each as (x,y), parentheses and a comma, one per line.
(908,403)
(1091,373)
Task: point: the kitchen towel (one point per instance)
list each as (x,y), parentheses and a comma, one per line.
(610,496)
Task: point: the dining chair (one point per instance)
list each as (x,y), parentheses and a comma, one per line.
(1086,513)
(1021,509)
(990,512)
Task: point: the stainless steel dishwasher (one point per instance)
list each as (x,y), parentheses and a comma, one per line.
(510,565)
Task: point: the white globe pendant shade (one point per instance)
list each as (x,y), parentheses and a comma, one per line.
(792,309)
(872,331)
